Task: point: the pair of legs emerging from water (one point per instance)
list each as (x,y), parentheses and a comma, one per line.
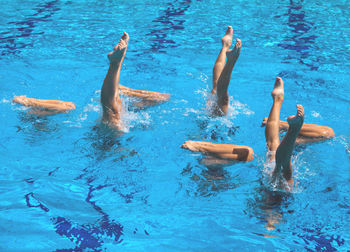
(222,71)
(110,98)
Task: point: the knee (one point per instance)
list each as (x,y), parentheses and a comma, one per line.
(245,154)
(250,155)
(272,145)
(328,132)
(70,106)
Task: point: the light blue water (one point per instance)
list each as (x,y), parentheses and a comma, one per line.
(67,184)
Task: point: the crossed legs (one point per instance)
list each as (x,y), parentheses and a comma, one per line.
(222,72)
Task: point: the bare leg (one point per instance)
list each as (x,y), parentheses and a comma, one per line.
(272,124)
(308,132)
(285,149)
(221,59)
(110,99)
(225,77)
(148,98)
(226,151)
(47,107)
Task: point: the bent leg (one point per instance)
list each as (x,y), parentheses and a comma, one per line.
(226,151)
(51,106)
(225,77)
(148,98)
(272,124)
(285,149)
(110,99)
(308,132)
(221,59)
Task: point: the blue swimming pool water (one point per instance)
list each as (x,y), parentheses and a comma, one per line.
(67,184)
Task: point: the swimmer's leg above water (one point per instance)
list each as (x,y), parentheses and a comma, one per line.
(282,152)
(272,124)
(285,149)
(224,151)
(308,132)
(110,99)
(44,107)
(222,72)
(148,98)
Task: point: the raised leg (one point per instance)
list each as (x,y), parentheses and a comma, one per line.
(272,124)
(110,99)
(225,77)
(225,151)
(285,149)
(221,59)
(47,107)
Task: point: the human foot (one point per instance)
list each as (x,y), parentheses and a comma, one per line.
(278,90)
(296,121)
(191,145)
(235,52)
(21,100)
(227,39)
(119,50)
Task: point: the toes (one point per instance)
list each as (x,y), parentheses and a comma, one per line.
(279,81)
(229,30)
(300,110)
(125,36)
(185,146)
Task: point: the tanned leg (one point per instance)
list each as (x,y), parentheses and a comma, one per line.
(225,77)
(110,99)
(148,98)
(285,149)
(272,124)
(221,59)
(47,107)
(308,132)
(225,151)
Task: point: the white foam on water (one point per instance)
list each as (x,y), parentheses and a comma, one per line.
(3,100)
(280,184)
(315,114)
(189,111)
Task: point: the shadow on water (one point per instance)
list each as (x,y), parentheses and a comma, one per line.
(215,132)
(101,143)
(210,176)
(85,236)
(302,39)
(36,128)
(10,44)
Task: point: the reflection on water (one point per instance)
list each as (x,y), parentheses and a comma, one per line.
(166,24)
(301,40)
(11,42)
